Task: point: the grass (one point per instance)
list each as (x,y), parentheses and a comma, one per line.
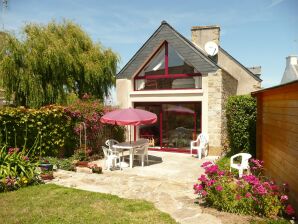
(53,204)
(271,221)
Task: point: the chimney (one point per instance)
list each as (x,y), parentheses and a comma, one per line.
(257,70)
(291,71)
(200,35)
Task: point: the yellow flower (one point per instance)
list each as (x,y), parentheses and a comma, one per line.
(24,179)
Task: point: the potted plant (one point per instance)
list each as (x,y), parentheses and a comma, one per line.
(81,156)
(46,169)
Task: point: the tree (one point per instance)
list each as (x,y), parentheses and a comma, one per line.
(51,61)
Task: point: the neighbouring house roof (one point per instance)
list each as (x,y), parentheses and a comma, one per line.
(291,70)
(183,46)
(191,52)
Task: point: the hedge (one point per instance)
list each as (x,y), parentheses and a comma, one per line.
(54,130)
(241,123)
(49,128)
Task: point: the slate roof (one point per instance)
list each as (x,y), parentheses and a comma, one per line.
(183,46)
(192,53)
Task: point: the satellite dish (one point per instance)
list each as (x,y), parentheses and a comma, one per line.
(211,48)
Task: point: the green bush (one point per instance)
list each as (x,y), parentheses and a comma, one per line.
(16,169)
(49,129)
(241,124)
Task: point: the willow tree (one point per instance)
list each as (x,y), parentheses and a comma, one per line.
(48,62)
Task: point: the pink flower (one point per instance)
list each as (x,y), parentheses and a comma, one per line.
(290,210)
(221,173)
(267,185)
(260,189)
(238,197)
(203,178)
(206,164)
(211,169)
(204,193)
(284,198)
(251,179)
(210,182)
(248,195)
(13,150)
(25,158)
(219,188)
(198,188)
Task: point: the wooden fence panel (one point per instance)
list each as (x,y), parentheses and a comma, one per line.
(277,134)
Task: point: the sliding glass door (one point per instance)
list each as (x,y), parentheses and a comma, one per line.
(177,125)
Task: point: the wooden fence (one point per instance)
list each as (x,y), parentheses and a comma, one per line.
(277,134)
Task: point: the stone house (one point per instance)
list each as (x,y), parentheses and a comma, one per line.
(187,88)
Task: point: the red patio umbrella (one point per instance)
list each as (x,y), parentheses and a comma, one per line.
(130,116)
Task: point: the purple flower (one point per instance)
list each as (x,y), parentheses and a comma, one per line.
(219,188)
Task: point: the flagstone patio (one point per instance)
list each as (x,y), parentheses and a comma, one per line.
(167,182)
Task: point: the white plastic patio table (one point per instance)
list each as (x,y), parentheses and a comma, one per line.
(130,146)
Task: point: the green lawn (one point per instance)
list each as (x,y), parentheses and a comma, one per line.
(53,204)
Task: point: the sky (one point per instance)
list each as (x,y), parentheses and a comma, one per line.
(255,32)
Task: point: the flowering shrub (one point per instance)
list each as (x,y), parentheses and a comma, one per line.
(16,169)
(252,194)
(90,111)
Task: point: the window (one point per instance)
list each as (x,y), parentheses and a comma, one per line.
(167,69)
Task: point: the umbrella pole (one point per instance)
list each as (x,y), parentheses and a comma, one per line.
(130,134)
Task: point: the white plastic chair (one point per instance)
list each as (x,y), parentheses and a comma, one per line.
(142,151)
(200,144)
(244,165)
(111,142)
(112,158)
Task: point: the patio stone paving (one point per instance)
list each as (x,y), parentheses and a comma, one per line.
(167,182)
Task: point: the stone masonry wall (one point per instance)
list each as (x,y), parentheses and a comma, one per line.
(214,109)
(229,88)
(220,86)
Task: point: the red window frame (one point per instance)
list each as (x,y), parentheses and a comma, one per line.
(166,75)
